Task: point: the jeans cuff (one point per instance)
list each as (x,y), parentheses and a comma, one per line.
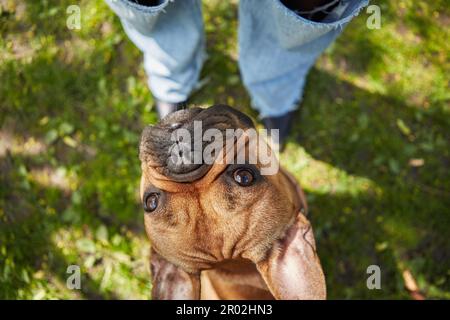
(136,16)
(143,8)
(352,9)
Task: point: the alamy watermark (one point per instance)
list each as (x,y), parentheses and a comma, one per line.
(73,21)
(374,20)
(73,281)
(240,147)
(374,280)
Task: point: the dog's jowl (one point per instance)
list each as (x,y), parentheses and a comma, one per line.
(223,229)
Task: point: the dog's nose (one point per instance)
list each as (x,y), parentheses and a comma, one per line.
(175,125)
(156,142)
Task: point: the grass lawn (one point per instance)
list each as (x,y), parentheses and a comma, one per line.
(370,147)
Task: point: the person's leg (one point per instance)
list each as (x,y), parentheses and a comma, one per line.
(279,41)
(170,34)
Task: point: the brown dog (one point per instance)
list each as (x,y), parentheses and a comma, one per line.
(221,230)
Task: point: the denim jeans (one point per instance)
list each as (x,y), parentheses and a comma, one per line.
(277,47)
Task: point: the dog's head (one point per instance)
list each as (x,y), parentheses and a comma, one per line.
(208,200)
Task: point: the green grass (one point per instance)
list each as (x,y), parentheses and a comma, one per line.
(370,146)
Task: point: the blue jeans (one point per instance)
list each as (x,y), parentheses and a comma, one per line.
(277,47)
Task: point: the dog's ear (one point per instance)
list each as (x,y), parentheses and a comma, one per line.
(292,268)
(171,282)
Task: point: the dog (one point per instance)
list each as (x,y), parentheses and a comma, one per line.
(223,230)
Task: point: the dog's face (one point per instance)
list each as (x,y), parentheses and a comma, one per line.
(198,215)
(233,213)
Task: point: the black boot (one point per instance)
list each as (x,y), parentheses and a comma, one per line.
(283,124)
(165,108)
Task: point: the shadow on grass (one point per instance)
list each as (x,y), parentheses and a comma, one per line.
(31,218)
(405,222)
(75,106)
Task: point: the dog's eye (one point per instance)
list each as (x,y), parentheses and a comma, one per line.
(243,177)
(151,202)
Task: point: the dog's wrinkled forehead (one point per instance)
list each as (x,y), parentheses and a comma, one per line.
(157,141)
